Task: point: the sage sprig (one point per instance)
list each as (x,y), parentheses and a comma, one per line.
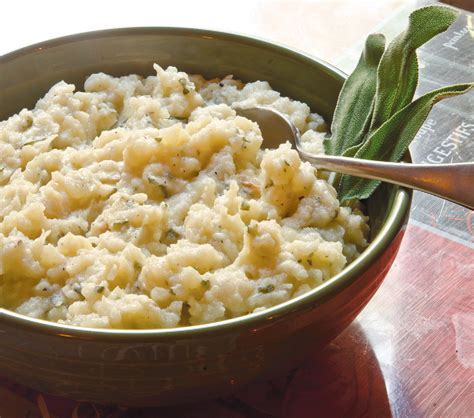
(397,75)
(352,116)
(391,140)
(375,117)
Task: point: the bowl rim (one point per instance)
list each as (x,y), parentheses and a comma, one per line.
(393,224)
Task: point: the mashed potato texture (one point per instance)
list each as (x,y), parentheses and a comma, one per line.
(147,203)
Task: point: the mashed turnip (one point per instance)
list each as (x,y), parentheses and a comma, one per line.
(147,203)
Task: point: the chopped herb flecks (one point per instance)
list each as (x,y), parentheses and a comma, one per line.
(245,205)
(252,229)
(171,235)
(266,289)
(164,190)
(186,84)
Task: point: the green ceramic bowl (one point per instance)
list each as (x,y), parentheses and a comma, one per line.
(153,367)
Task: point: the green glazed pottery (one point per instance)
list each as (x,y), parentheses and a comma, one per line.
(157,367)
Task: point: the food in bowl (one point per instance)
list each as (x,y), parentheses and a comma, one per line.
(147,203)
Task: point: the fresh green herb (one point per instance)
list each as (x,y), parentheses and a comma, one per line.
(267,186)
(375,117)
(171,235)
(397,75)
(391,140)
(164,190)
(354,107)
(119,224)
(77,288)
(252,229)
(186,84)
(245,205)
(158,139)
(322,127)
(28,122)
(266,289)
(153,180)
(112,191)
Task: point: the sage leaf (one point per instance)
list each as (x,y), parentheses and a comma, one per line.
(390,142)
(352,116)
(397,75)
(375,117)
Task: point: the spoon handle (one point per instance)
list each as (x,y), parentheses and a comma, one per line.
(454,182)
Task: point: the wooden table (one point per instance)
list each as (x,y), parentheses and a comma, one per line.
(411,351)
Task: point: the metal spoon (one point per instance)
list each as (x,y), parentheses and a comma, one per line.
(454,182)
